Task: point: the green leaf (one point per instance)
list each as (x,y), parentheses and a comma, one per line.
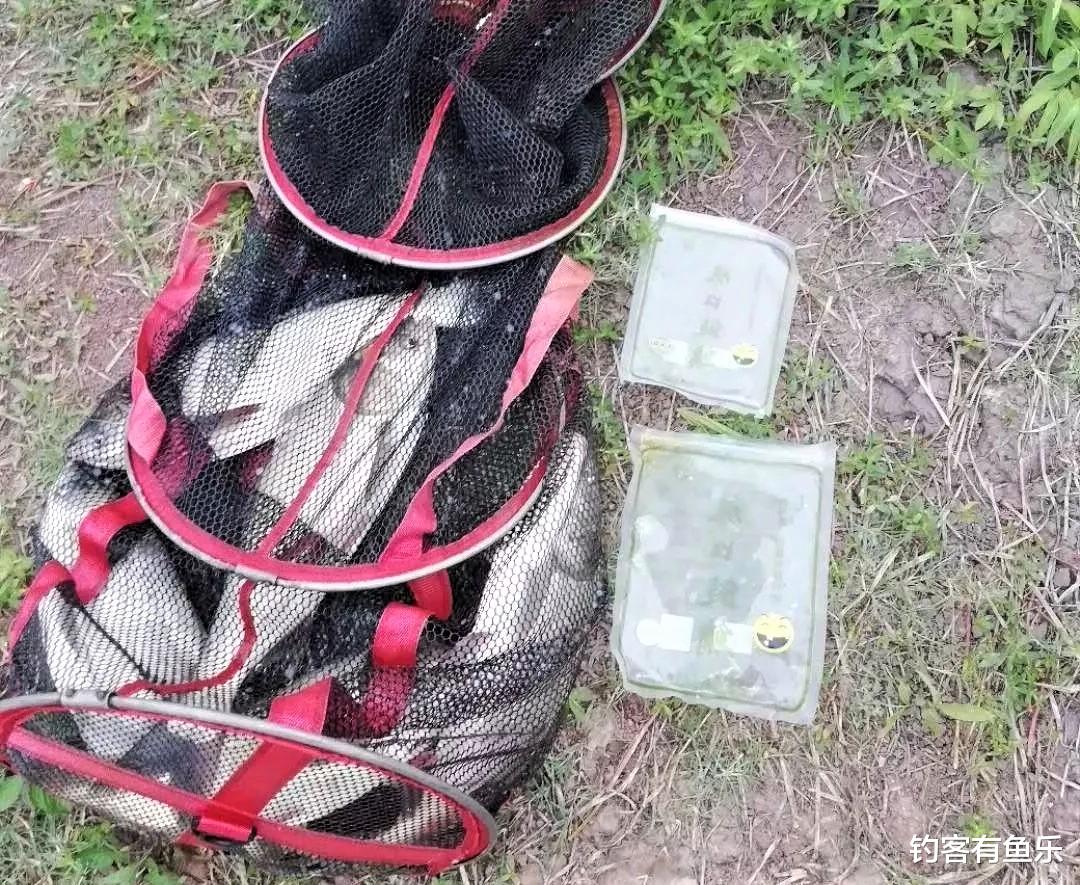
(932,722)
(1043,92)
(982,94)
(986,116)
(1052,82)
(1029,107)
(45,804)
(1074,142)
(925,37)
(123,876)
(578,703)
(1007,43)
(1072,13)
(10,790)
(1065,119)
(1063,58)
(1048,117)
(963,19)
(98,858)
(1048,27)
(966,712)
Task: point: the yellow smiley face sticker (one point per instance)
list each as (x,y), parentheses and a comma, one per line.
(773,633)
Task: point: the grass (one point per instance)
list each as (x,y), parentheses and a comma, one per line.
(955,72)
(942,652)
(48,842)
(34,348)
(152,85)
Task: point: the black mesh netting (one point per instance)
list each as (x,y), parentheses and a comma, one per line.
(301,422)
(361,123)
(477,711)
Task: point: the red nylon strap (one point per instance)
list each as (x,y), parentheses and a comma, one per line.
(189,840)
(90,571)
(49,577)
(398,635)
(193,259)
(393,653)
(561,297)
(233,810)
(8,722)
(433,594)
(357,388)
(431,135)
(146,423)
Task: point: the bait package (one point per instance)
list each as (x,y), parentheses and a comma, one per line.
(722,577)
(711,310)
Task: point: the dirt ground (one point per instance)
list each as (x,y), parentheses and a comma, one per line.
(945,314)
(937,315)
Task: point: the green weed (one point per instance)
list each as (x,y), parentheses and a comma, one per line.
(610,432)
(14,574)
(917,258)
(976,825)
(959,72)
(727,423)
(605,331)
(850,201)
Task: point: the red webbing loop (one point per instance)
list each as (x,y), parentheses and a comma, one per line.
(433,594)
(397,635)
(232,811)
(90,571)
(393,655)
(49,577)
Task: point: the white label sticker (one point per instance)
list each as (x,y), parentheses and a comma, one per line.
(736,639)
(648,632)
(676,632)
(670,350)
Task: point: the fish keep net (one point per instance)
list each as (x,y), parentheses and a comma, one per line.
(307,416)
(314,583)
(307,730)
(620,58)
(441,133)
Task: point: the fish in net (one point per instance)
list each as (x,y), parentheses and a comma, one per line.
(472,714)
(314,418)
